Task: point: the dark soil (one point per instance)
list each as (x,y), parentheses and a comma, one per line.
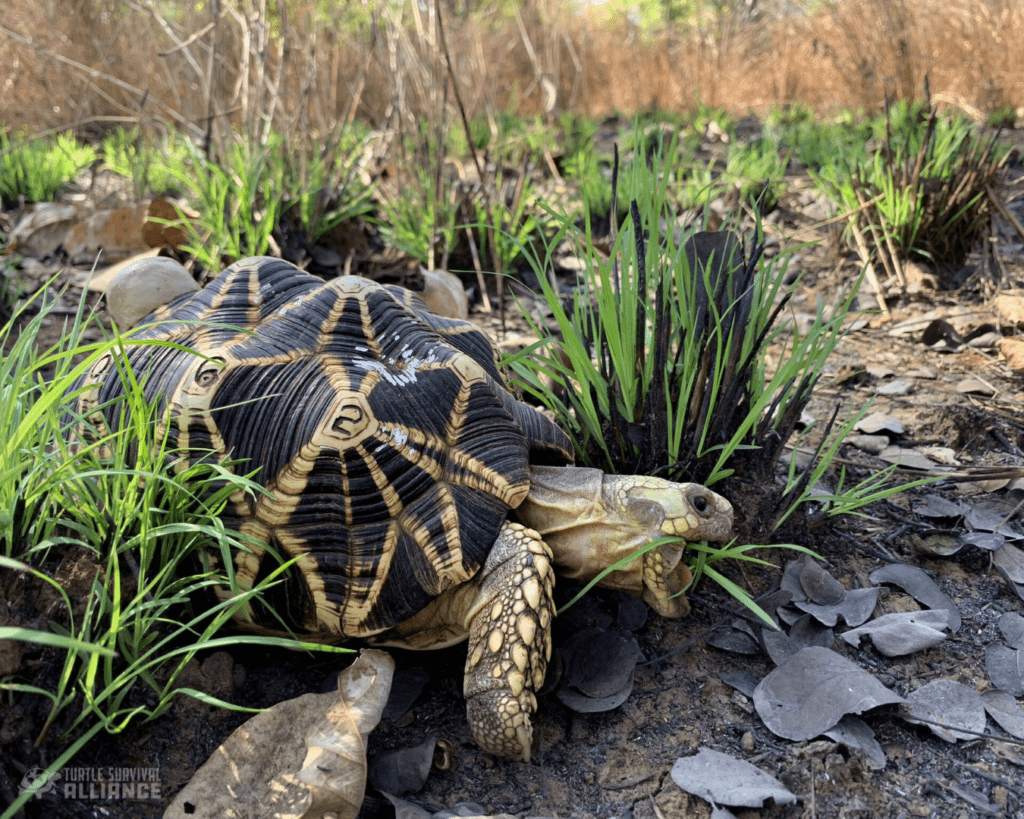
(616,764)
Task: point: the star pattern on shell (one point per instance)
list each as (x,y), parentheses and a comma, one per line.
(386,438)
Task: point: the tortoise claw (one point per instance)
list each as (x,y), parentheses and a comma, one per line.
(509,642)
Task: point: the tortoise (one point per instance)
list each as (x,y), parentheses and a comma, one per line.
(424,503)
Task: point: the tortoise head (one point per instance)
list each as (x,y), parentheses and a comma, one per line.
(592,521)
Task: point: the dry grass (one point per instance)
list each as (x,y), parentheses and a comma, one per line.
(87,63)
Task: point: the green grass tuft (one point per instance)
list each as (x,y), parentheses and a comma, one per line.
(37,170)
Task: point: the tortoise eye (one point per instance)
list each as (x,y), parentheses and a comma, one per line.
(209,374)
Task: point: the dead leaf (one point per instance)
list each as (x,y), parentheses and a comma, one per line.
(938,542)
(812,690)
(1013,351)
(988,516)
(143,286)
(1009,306)
(778,646)
(1005,710)
(1005,668)
(1009,560)
(900,633)
(335,766)
(403,771)
(110,235)
(406,686)
(872,444)
(582,704)
(853,732)
(405,809)
(879,422)
(742,681)
(951,705)
(598,662)
(943,455)
(43,228)
(905,457)
(444,294)
(805,631)
(737,637)
(99,280)
(973,797)
(1011,625)
(165,224)
(599,667)
(898,386)
(819,586)
(936,506)
(855,608)
(262,769)
(724,780)
(989,541)
(915,582)
(972,385)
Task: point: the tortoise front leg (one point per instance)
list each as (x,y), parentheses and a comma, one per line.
(509,626)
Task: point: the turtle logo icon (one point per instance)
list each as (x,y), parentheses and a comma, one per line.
(30,778)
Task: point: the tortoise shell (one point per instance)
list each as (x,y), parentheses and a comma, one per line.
(386,438)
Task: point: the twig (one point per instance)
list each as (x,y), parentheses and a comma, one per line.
(842,217)
(632,782)
(869,268)
(100,75)
(481,283)
(1004,211)
(185,43)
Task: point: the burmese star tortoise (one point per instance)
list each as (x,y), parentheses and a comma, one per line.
(403,475)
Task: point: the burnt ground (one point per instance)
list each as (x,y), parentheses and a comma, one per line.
(617,763)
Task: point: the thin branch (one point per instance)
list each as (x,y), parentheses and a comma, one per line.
(100,75)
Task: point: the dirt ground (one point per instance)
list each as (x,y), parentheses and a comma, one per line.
(617,763)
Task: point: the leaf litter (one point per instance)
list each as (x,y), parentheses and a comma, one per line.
(903,632)
(916,582)
(815,688)
(949,709)
(815,691)
(724,780)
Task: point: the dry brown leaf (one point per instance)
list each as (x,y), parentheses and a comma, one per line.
(109,235)
(297,760)
(43,228)
(165,225)
(1009,306)
(1013,351)
(335,764)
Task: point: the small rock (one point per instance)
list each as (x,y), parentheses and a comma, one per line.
(444,294)
(143,286)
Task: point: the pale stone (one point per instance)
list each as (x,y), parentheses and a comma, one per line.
(143,286)
(444,294)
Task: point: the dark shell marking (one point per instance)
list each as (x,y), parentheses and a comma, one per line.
(389,443)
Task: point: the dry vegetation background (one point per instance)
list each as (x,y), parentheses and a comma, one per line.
(306,67)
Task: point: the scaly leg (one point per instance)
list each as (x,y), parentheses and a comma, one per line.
(509,626)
